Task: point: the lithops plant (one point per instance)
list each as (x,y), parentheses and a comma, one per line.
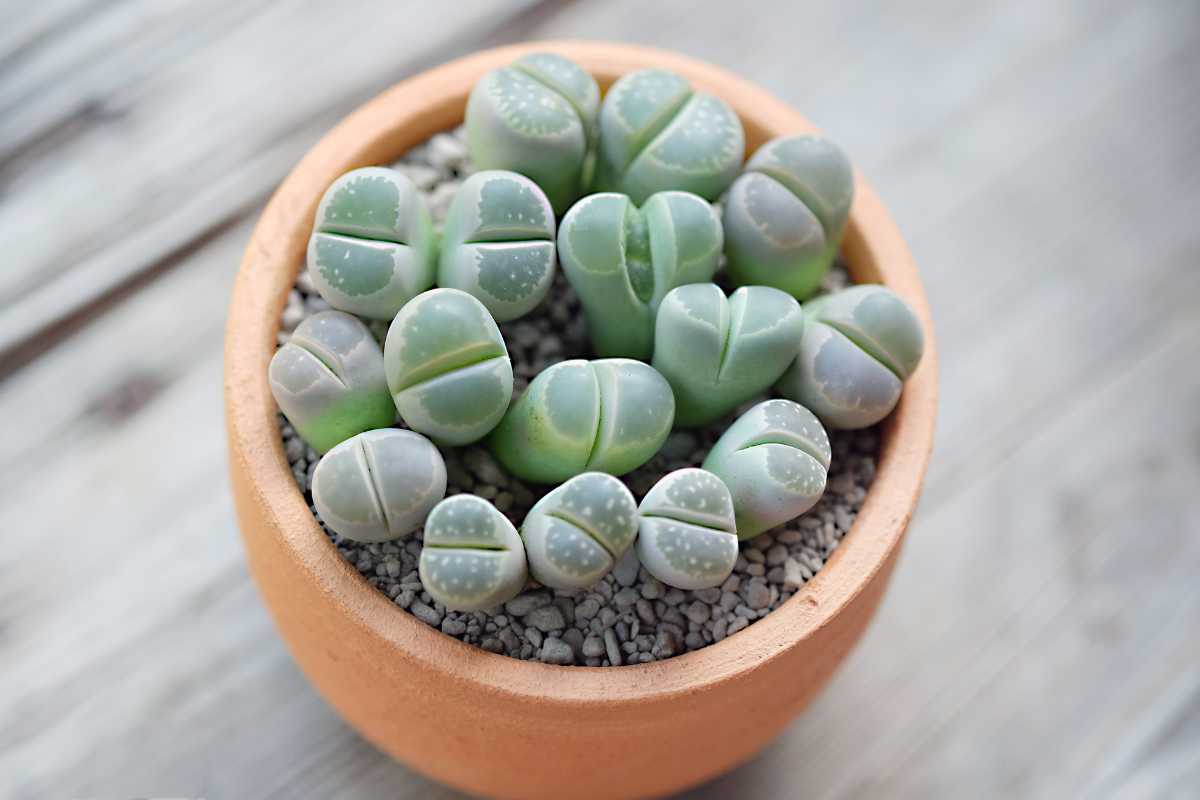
(575,534)
(774,459)
(719,352)
(687,536)
(447,367)
(609,415)
(329,382)
(473,557)
(372,247)
(498,243)
(658,133)
(379,485)
(536,116)
(623,260)
(784,216)
(859,346)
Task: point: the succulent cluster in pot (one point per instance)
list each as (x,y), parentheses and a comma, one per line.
(692,311)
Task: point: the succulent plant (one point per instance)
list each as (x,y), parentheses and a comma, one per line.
(657,133)
(447,367)
(774,459)
(623,260)
(473,557)
(609,415)
(498,243)
(687,536)
(785,214)
(717,353)
(372,247)
(379,485)
(537,117)
(859,346)
(576,533)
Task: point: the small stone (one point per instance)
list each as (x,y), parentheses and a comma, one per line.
(484,467)
(626,597)
(645,611)
(710,595)
(731,584)
(426,614)
(522,604)
(611,648)
(454,627)
(492,645)
(546,618)
(626,569)
(753,556)
(698,612)
(757,570)
(593,647)
(793,574)
(556,651)
(533,636)
(652,589)
(776,555)
(573,637)
(587,609)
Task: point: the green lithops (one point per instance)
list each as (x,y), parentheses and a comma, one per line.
(379,485)
(719,352)
(774,459)
(859,346)
(575,534)
(623,260)
(658,133)
(473,557)
(687,536)
(609,415)
(448,367)
(372,247)
(498,243)
(784,216)
(329,382)
(537,117)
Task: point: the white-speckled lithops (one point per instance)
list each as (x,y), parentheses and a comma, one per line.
(379,485)
(473,557)
(609,415)
(657,133)
(623,260)
(576,533)
(536,116)
(372,247)
(859,346)
(719,352)
(498,243)
(774,460)
(329,382)
(687,536)
(785,214)
(447,367)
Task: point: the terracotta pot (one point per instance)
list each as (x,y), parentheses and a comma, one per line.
(487,723)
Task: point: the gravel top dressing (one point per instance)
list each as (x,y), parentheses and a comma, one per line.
(629,616)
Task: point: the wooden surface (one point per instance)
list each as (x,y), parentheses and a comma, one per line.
(1042,633)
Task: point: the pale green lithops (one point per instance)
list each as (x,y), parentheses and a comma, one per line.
(576,533)
(609,415)
(536,116)
(785,214)
(859,346)
(774,460)
(372,247)
(623,260)
(687,536)
(498,243)
(379,485)
(473,557)
(657,133)
(447,367)
(718,353)
(329,382)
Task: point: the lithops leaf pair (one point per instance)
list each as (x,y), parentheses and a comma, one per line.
(498,243)
(379,485)
(473,557)
(537,117)
(719,352)
(623,260)
(784,216)
(447,367)
(774,459)
(687,537)
(329,382)
(372,247)
(609,415)
(859,346)
(576,533)
(658,133)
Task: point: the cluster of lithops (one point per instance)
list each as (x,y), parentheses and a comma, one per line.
(673,348)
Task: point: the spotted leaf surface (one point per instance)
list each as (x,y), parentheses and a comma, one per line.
(473,557)
(687,536)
